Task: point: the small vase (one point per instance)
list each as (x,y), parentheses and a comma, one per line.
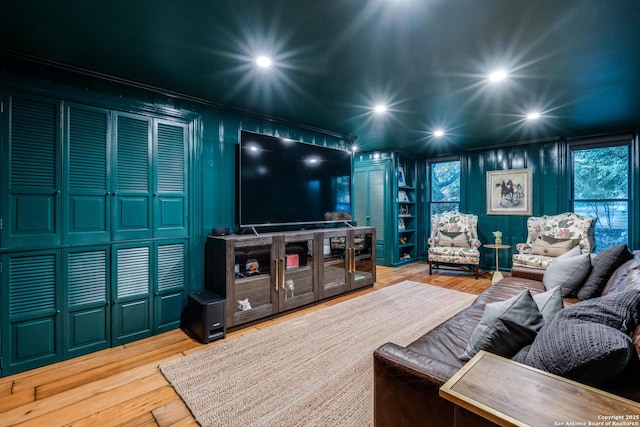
(498,241)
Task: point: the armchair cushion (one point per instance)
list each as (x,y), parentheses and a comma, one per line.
(542,246)
(450,239)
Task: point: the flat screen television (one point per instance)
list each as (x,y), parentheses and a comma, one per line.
(285,182)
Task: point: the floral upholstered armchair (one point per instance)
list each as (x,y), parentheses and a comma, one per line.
(550,236)
(454,241)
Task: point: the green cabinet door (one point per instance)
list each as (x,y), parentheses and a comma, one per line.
(170,195)
(87,313)
(132,170)
(171,284)
(31,312)
(131,306)
(87,190)
(31,173)
(372,205)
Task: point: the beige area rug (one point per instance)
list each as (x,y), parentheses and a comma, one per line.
(314,370)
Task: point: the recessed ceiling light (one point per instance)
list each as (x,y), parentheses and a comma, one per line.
(380,108)
(498,75)
(533,115)
(438,132)
(263,61)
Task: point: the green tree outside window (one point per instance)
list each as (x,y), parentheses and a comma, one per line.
(601,189)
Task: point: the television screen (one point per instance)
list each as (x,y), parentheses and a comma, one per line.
(284,182)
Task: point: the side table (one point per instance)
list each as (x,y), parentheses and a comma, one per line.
(497,275)
(508,393)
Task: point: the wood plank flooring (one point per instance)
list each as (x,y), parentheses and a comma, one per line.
(122,386)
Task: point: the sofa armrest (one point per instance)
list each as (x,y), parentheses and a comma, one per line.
(406,388)
(429,370)
(527,272)
(523,248)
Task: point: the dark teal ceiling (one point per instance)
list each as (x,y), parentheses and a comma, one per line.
(577,61)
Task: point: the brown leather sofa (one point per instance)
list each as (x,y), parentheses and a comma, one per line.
(407,379)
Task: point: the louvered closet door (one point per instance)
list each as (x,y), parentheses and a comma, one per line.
(88,208)
(131,308)
(87,312)
(31,310)
(31,174)
(132,192)
(170,195)
(171,284)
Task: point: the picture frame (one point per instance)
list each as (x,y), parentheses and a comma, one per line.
(403,197)
(402,182)
(509,192)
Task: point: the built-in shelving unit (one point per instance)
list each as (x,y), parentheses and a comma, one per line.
(406,210)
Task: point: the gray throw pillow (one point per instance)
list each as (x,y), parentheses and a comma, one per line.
(603,266)
(506,327)
(588,352)
(589,341)
(618,310)
(568,271)
(549,303)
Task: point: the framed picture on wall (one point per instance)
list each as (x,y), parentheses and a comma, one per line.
(509,192)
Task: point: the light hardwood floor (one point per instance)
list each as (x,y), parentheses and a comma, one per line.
(122,386)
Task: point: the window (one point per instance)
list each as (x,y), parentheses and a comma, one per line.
(445,187)
(601,189)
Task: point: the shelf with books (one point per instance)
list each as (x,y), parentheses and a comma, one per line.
(406,210)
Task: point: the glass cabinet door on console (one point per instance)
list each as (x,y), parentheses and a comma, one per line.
(349,260)
(252,294)
(362,259)
(296,278)
(333,270)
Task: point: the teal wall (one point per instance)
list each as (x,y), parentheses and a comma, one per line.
(215,150)
(549,162)
(213,160)
(546,159)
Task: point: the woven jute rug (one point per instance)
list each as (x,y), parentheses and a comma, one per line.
(313,370)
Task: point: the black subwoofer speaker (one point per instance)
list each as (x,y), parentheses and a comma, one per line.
(205,316)
(220,231)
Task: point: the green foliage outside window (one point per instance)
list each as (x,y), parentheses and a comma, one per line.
(445,187)
(601,189)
